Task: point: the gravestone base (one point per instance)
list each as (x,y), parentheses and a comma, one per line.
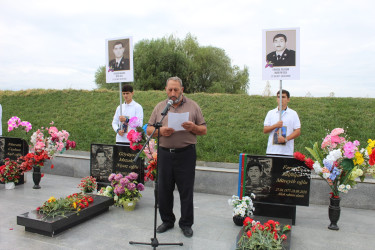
(275,210)
(101,184)
(38,223)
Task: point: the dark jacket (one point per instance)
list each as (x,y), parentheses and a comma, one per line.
(288,58)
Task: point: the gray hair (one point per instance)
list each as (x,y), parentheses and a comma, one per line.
(174,78)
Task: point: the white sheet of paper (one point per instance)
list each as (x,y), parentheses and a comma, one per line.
(176,119)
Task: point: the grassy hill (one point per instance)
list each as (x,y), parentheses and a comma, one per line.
(235,122)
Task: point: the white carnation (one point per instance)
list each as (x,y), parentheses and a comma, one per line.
(317,167)
(337,154)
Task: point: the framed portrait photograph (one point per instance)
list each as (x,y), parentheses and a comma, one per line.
(281,54)
(119,60)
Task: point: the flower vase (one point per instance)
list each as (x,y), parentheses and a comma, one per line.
(238,220)
(10,185)
(334,213)
(129,205)
(37,175)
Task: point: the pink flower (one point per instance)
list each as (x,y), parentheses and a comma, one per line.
(134,136)
(118,177)
(111,177)
(134,122)
(133,176)
(337,131)
(326,142)
(335,139)
(39,145)
(349,149)
(124,181)
(119,190)
(140,187)
(52,130)
(137,137)
(131,186)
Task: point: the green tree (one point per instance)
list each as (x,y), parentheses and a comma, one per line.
(201,68)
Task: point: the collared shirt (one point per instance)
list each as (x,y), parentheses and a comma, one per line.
(128,110)
(280,53)
(183,138)
(291,122)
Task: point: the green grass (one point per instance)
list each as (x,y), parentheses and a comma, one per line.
(235,122)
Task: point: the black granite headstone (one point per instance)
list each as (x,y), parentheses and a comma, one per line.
(279,184)
(107,159)
(13,148)
(272,179)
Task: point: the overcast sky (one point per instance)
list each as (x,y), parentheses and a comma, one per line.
(60,44)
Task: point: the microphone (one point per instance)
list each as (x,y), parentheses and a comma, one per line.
(165,111)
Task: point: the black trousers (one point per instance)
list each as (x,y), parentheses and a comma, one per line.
(177,169)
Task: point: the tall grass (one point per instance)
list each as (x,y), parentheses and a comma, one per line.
(235,122)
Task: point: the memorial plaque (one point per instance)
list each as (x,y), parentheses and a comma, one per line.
(274,179)
(107,159)
(12,148)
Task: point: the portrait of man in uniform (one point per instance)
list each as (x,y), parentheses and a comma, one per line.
(101,162)
(282,56)
(120,53)
(257,181)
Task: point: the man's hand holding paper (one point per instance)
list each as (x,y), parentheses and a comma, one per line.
(179,121)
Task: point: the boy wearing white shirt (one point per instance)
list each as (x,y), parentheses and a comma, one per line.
(282,143)
(130,108)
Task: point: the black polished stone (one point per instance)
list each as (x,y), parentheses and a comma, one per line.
(13,148)
(39,223)
(276,210)
(107,159)
(282,180)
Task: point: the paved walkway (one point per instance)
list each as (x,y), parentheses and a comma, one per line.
(213,228)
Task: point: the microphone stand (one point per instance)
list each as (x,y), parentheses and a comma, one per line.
(154,241)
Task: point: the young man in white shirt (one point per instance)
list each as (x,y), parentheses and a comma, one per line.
(130,109)
(282,142)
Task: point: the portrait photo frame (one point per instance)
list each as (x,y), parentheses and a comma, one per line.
(281,62)
(119,60)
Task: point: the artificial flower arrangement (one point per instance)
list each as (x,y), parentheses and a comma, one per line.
(138,138)
(123,188)
(45,143)
(340,161)
(15,122)
(107,191)
(10,171)
(59,207)
(269,235)
(151,154)
(88,184)
(242,207)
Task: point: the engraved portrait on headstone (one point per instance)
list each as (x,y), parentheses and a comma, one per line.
(102,162)
(258,179)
